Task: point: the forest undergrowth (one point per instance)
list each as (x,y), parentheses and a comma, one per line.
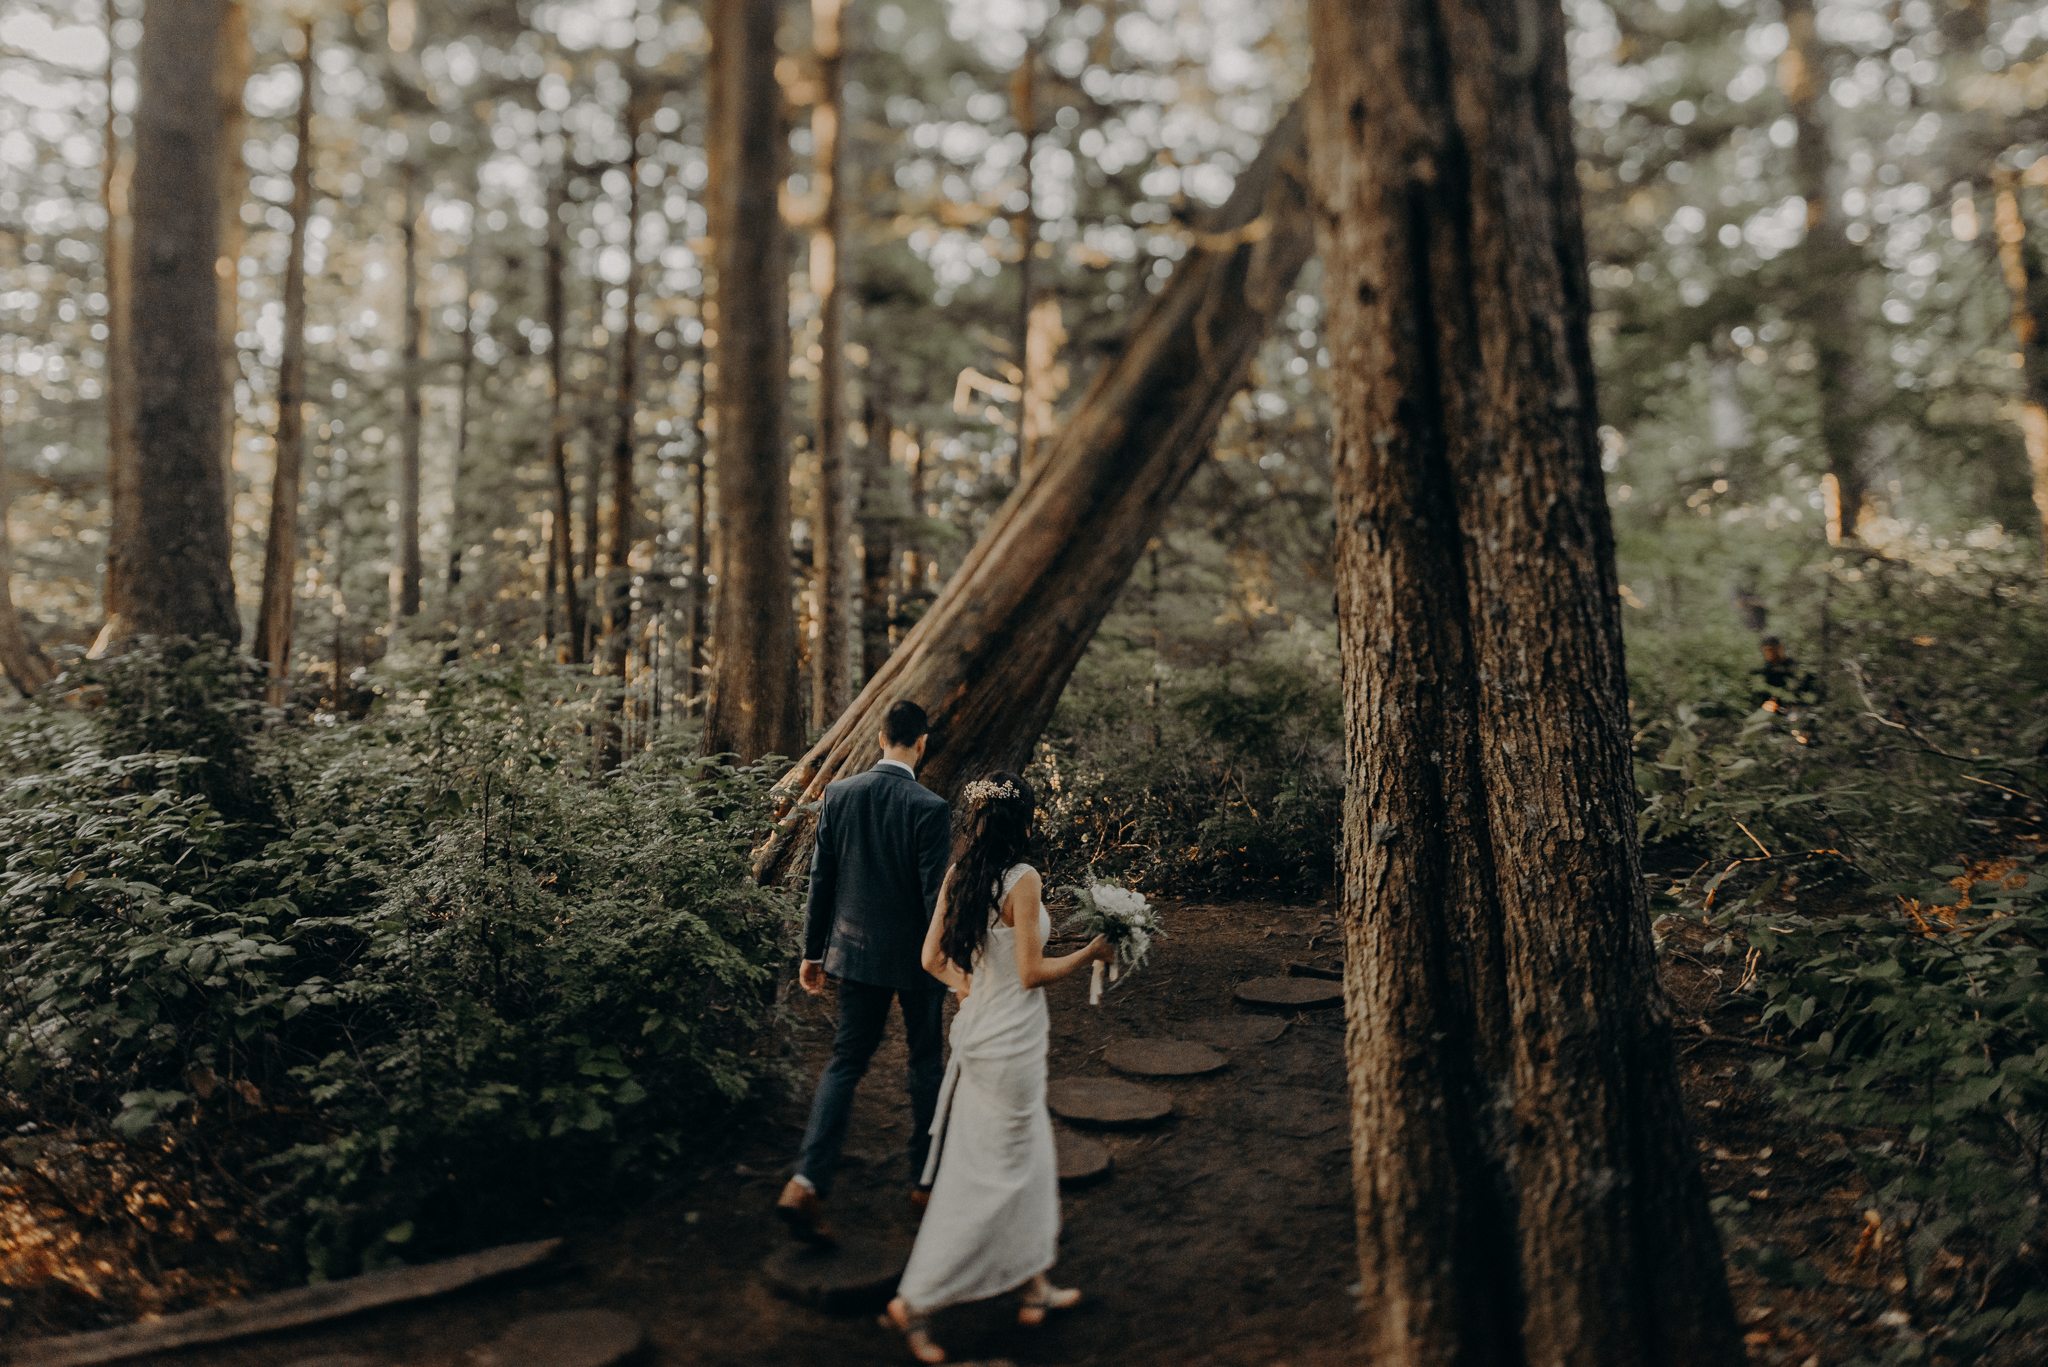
(299,996)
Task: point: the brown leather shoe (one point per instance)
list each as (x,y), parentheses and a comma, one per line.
(804,1213)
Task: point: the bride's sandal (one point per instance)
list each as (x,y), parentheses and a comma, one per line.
(1041,1296)
(913,1329)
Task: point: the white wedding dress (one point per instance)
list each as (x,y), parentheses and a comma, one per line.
(994,1218)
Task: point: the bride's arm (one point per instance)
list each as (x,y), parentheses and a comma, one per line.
(1033,968)
(934,957)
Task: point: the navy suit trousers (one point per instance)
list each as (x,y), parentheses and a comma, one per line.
(863,1012)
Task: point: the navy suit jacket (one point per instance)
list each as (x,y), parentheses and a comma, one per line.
(877,860)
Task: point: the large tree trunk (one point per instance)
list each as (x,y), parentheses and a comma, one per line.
(990,658)
(405,575)
(181,585)
(281,547)
(1527,1190)
(1831,267)
(756,706)
(124,486)
(562,555)
(831,659)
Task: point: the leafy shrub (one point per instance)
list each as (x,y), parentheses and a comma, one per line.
(1221,780)
(1920,1033)
(471,980)
(1911,994)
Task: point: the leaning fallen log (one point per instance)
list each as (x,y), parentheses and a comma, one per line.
(989,659)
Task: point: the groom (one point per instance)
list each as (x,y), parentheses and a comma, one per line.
(879,855)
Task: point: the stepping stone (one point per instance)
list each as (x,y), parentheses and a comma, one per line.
(860,1274)
(1106,1102)
(1162,1058)
(1235,1032)
(1083,1161)
(1290,993)
(570,1338)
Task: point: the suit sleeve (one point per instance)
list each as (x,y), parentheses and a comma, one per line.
(818,902)
(935,847)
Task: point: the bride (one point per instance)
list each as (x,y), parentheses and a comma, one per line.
(994,1219)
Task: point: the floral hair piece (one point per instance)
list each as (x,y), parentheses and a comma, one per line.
(984,790)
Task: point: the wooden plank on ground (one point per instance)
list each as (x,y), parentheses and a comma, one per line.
(291,1309)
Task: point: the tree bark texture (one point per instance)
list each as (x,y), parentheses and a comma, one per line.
(1527,1190)
(562,556)
(281,546)
(181,583)
(124,487)
(405,575)
(1831,265)
(2027,282)
(755,705)
(831,660)
(991,656)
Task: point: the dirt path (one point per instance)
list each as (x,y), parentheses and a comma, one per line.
(1224,1235)
(1222,1239)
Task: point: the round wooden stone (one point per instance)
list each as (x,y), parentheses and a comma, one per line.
(1162,1058)
(1083,1161)
(1290,993)
(858,1275)
(570,1338)
(1235,1032)
(1106,1102)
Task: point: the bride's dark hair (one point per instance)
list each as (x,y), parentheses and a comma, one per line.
(998,836)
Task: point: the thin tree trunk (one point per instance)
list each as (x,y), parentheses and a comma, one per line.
(1832,265)
(619,580)
(700,578)
(1527,1190)
(458,524)
(281,547)
(124,488)
(405,579)
(21,659)
(913,559)
(990,658)
(182,585)
(877,542)
(828,280)
(1024,109)
(562,558)
(755,706)
(231,75)
(2028,285)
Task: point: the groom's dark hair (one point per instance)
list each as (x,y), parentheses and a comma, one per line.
(904,722)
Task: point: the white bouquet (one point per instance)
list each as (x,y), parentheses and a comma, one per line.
(1121,916)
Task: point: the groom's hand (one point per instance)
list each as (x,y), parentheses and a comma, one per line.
(811,977)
